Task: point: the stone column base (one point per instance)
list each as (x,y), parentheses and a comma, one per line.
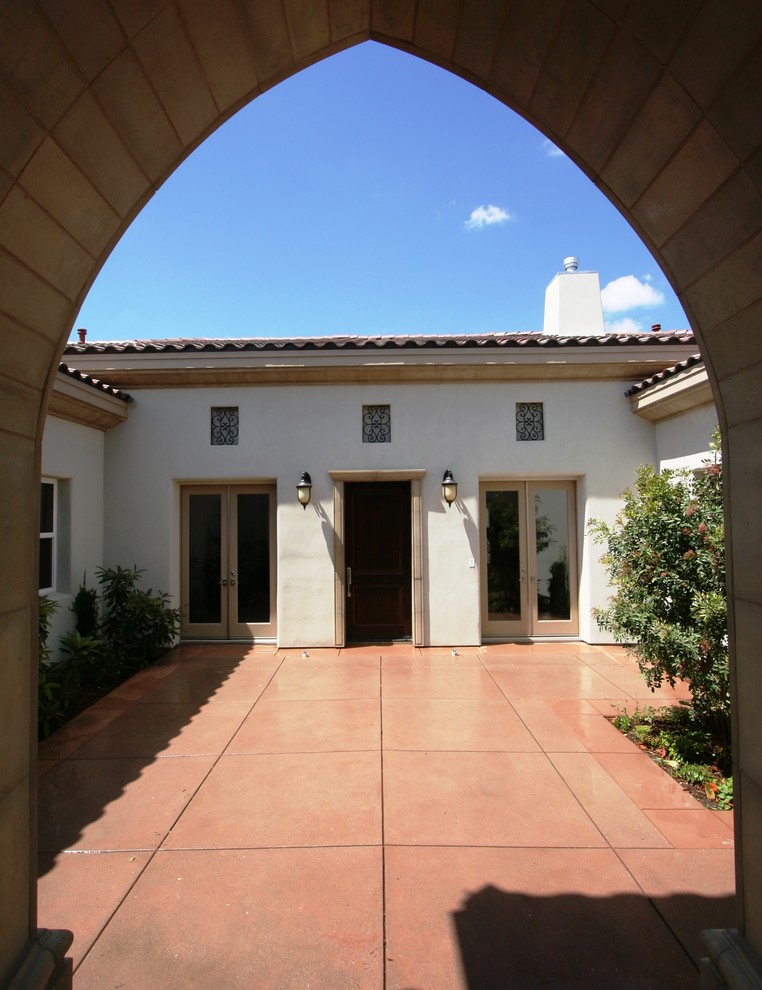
(731,965)
(45,966)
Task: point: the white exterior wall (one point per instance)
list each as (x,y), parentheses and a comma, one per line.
(683,441)
(73,455)
(591,436)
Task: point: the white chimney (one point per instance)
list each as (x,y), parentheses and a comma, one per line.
(573,306)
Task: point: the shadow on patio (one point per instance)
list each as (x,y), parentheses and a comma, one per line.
(527,942)
(113,747)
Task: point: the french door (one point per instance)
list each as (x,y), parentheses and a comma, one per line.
(529,559)
(228,561)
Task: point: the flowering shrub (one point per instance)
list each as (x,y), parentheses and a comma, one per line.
(665,558)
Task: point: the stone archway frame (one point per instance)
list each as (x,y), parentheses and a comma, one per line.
(415,477)
(659,104)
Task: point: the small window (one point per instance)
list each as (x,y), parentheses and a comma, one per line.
(530,422)
(48,510)
(224,426)
(376,424)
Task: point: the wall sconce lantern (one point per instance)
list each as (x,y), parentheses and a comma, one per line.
(449,488)
(304,489)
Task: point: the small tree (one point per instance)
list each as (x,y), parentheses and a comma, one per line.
(665,557)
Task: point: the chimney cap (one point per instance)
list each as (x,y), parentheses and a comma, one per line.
(82,333)
(571,264)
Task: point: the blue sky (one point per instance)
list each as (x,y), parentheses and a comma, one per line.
(371,193)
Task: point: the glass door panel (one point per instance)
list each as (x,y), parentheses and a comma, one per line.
(553,566)
(252,571)
(504,604)
(204,558)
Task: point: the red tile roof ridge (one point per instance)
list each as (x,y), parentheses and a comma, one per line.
(381,341)
(95,383)
(660,376)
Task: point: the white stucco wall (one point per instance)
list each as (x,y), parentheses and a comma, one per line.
(683,441)
(591,436)
(73,455)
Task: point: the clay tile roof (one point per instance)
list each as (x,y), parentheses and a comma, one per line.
(352,342)
(95,383)
(661,376)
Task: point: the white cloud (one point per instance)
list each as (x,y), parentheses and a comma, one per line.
(487,216)
(625,325)
(551,150)
(629,292)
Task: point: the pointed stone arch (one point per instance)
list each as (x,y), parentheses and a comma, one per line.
(100,101)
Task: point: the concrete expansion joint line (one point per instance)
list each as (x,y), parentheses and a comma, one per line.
(383,835)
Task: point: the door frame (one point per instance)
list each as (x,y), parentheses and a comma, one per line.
(230,629)
(415,477)
(534,627)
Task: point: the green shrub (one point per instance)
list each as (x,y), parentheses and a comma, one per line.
(49,701)
(642,733)
(723,794)
(86,663)
(665,558)
(137,625)
(695,773)
(46,609)
(86,608)
(50,708)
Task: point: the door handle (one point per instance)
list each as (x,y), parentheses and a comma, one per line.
(349,582)
(232,578)
(223,582)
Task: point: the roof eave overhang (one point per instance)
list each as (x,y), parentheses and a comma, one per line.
(80,403)
(676,395)
(199,369)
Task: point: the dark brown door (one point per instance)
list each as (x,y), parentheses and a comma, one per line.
(378,559)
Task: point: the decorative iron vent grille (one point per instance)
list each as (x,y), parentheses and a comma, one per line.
(376,424)
(530,422)
(224,426)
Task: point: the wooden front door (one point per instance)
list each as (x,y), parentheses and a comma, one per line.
(378,560)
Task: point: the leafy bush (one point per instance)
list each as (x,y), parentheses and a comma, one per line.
(86,609)
(137,627)
(721,792)
(85,663)
(50,710)
(49,706)
(665,557)
(46,609)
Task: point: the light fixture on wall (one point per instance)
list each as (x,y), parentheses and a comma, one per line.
(304,489)
(449,488)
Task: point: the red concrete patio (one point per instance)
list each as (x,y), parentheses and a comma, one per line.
(380,817)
